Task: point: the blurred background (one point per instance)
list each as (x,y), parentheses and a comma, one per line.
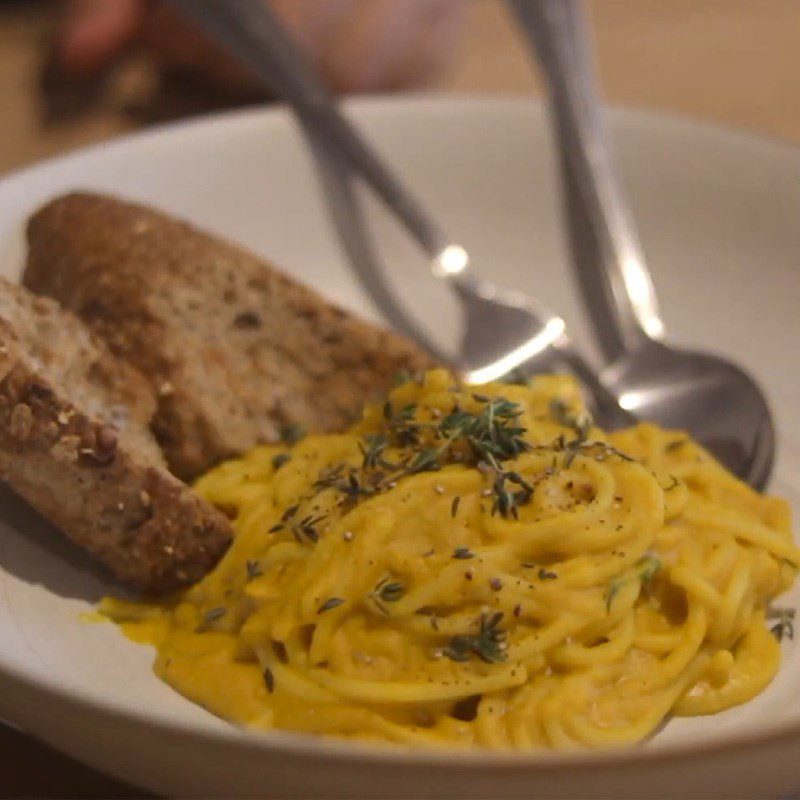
(76,73)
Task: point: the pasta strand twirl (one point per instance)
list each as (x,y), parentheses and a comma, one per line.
(479,568)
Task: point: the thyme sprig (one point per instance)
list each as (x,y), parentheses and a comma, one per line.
(253,569)
(485,437)
(269,680)
(372,447)
(482,438)
(599,451)
(352,482)
(784,627)
(331,602)
(306,528)
(581,424)
(388,590)
(401,425)
(292,432)
(279,460)
(506,500)
(646,568)
(613,590)
(426,460)
(489,644)
(546,574)
(210,617)
(492,434)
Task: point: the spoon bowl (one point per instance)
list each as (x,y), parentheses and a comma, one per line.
(710,398)
(704,394)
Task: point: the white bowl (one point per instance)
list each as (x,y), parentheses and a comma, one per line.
(718,213)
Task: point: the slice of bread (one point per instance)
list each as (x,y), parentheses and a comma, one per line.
(235,350)
(75,443)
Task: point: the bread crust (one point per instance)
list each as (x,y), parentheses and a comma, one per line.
(74,443)
(235,350)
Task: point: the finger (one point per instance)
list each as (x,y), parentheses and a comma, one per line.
(93,32)
(176,44)
(431,47)
(390,45)
(313,24)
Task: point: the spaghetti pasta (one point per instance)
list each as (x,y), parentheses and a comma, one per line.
(479,568)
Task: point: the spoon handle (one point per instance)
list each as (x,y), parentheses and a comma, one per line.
(607,257)
(252,32)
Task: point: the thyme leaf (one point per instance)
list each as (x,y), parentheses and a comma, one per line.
(331,602)
(489,644)
(210,617)
(269,680)
(306,528)
(613,588)
(546,574)
(784,627)
(388,590)
(581,423)
(646,567)
(292,433)
(493,434)
(507,501)
(426,460)
(372,448)
(279,460)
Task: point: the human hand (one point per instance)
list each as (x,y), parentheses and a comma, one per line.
(356,45)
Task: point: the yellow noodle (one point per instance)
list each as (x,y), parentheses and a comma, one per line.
(631,585)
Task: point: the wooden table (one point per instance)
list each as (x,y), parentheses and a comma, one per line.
(734,62)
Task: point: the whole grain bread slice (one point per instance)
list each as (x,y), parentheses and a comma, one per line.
(235,349)
(75,443)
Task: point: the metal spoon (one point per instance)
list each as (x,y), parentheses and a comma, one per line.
(710,397)
(504,331)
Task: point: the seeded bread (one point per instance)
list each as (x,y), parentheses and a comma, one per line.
(75,443)
(235,350)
